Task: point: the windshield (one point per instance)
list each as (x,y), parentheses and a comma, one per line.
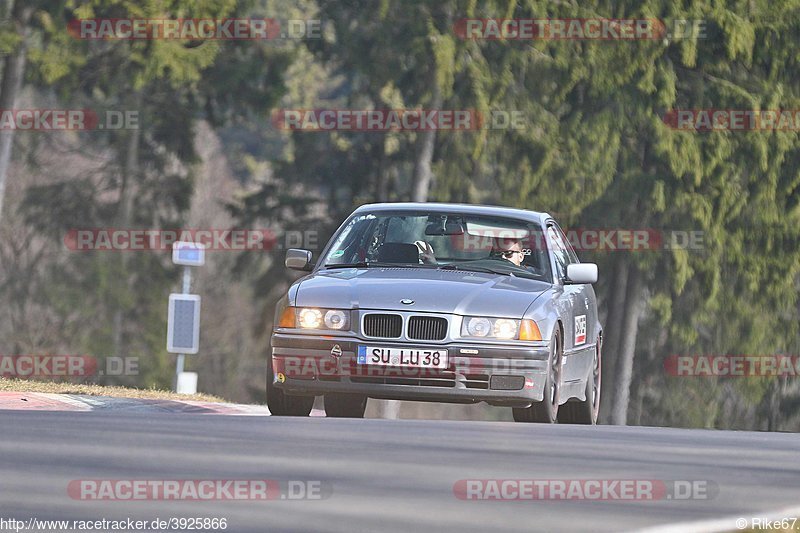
(441,240)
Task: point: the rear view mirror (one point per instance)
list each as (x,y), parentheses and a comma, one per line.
(444,226)
(298,259)
(579,273)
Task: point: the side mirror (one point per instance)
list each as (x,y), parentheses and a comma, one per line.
(298,259)
(579,273)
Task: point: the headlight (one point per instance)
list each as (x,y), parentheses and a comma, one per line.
(335,319)
(490,328)
(312,318)
(505,328)
(500,328)
(477,327)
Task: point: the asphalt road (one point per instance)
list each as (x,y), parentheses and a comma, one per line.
(385,475)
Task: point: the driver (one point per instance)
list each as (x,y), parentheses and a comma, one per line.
(511,250)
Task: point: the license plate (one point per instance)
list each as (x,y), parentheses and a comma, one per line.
(410,357)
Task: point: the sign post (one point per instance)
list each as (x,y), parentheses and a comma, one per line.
(183,316)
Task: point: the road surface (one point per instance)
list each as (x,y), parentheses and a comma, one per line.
(385,475)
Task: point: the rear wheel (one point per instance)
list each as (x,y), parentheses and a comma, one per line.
(585,412)
(546,411)
(280,403)
(345,405)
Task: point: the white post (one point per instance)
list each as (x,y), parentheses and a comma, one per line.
(187,286)
(187,280)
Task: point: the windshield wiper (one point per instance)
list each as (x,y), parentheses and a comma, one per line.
(467,268)
(362,264)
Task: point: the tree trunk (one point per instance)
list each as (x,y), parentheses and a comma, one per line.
(382,178)
(773,418)
(612,334)
(627,347)
(422,166)
(13,75)
(124,219)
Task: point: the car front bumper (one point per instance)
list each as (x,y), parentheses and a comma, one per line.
(497,374)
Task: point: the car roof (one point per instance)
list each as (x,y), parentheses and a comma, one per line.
(469,209)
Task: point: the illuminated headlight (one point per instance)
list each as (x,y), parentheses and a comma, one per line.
(505,328)
(490,328)
(334,319)
(310,318)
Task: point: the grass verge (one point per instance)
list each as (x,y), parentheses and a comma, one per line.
(24,385)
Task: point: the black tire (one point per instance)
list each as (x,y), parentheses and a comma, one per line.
(546,411)
(345,405)
(585,412)
(280,403)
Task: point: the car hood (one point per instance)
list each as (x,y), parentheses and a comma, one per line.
(437,291)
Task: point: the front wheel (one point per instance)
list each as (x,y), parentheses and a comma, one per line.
(345,405)
(280,403)
(585,412)
(546,411)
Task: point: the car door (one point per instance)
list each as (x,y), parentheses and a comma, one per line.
(576,304)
